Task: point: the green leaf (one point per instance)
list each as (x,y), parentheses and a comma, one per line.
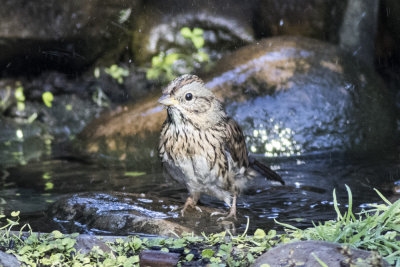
(157,61)
(198,31)
(57,234)
(198,41)
(152,74)
(259,234)
(189,257)
(48,186)
(207,253)
(15,213)
(134,173)
(20,106)
(47,98)
(186,32)
(336,206)
(202,56)
(250,257)
(171,58)
(19,94)
(137,243)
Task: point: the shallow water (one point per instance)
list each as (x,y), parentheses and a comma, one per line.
(306,197)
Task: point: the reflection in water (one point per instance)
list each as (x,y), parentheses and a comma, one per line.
(278,141)
(306,197)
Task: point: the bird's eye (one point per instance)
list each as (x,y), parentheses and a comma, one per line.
(188,96)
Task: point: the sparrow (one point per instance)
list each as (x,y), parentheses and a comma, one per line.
(203,148)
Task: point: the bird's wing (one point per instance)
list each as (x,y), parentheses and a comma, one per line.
(235,143)
(236,146)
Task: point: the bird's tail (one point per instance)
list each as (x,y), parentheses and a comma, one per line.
(265,170)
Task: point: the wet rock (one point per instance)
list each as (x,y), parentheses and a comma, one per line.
(298,95)
(51,34)
(312,18)
(227,25)
(309,253)
(8,260)
(123,213)
(158,258)
(85,243)
(291,96)
(358,30)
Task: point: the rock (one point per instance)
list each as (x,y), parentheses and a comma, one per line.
(297,95)
(358,30)
(226,26)
(311,18)
(308,253)
(60,35)
(8,260)
(158,258)
(85,243)
(291,95)
(124,213)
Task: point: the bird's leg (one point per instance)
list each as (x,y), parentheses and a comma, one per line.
(191,201)
(232,211)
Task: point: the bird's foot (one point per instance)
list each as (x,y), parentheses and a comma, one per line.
(190,202)
(230,215)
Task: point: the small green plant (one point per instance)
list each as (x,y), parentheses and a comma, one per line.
(20,97)
(117,73)
(376,229)
(47,99)
(162,65)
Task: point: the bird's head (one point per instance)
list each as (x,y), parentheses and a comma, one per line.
(187,99)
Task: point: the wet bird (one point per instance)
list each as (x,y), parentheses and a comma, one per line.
(203,148)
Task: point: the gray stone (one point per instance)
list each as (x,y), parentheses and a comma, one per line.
(128,214)
(153,258)
(85,243)
(309,253)
(8,260)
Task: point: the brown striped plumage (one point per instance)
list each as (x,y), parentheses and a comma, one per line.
(201,147)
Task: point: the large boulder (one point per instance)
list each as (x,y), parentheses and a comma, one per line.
(291,95)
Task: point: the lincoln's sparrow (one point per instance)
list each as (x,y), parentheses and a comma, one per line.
(203,148)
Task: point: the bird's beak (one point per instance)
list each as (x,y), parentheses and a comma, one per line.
(167,100)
